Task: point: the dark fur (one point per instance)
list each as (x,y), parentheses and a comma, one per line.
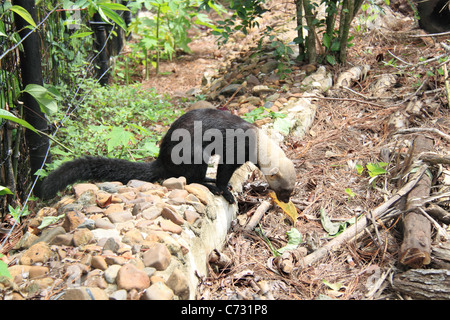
(104,169)
(434,15)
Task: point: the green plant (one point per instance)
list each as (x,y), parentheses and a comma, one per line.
(261,113)
(281,124)
(117,121)
(294,240)
(4,268)
(374,170)
(350,193)
(334,228)
(17,213)
(165,31)
(332,39)
(244,14)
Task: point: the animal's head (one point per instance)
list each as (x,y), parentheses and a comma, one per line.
(281,179)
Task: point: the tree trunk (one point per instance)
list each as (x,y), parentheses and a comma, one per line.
(311,39)
(300,39)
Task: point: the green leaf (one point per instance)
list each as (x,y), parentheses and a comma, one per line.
(333,286)
(334,228)
(326,40)
(23,14)
(330,59)
(329,226)
(376,169)
(260,232)
(118,137)
(4,270)
(4,190)
(106,14)
(115,6)
(46,221)
(295,238)
(359,168)
(335,46)
(43,96)
(350,193)
(282,125)
(18,212)
(81,34)
(151,148)
(9,116)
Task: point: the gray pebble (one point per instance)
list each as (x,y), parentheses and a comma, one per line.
(119,295)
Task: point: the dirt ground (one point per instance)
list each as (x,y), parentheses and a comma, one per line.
(350,128)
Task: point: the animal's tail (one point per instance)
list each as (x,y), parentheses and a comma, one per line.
(98,169)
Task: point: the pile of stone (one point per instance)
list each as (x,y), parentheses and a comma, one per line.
(115,241)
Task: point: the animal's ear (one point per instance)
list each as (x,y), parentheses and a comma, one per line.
(274,171)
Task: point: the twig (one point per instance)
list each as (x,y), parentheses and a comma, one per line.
(233,95)
(434,158)
(359,94)
(416,130)
(399,59)
(353,230)
(259,213)
(438,213)
(372,220)
(429,35)
(346,99)
(441,231)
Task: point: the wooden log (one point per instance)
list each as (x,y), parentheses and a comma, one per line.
(438,213)
(433,284)
(440,258)
(415,249)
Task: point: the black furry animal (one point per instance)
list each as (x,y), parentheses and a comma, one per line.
(434,15)
(185,150)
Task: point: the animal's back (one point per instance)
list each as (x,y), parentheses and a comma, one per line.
(192,126)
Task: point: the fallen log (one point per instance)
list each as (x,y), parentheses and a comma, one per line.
(415,249)
(432,284)
(440,258)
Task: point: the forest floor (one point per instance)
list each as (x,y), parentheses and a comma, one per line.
(354,126)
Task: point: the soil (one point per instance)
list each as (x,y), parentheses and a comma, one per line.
(349,128)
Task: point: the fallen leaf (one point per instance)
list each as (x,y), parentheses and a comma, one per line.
(295,238)
(288,208)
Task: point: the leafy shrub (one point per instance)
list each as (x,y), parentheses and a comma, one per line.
(118,122)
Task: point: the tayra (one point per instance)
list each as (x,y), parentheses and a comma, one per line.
(185,151)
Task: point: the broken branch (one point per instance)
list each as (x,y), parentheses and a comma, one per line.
(417,130)
(257,216)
